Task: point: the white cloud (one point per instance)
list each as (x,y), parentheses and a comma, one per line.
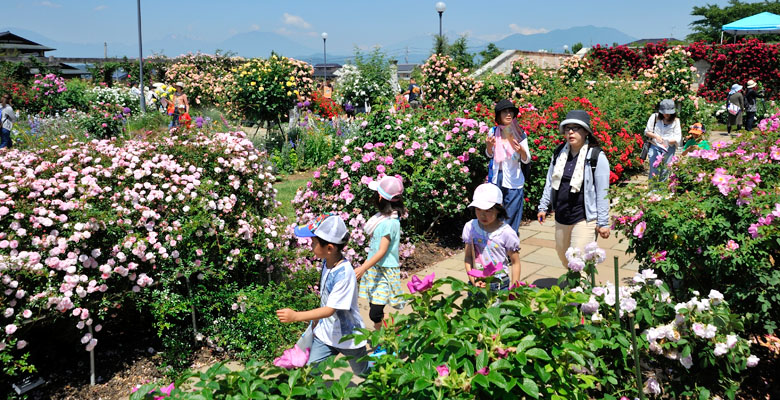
(101,7)
(50,4)
(254,27)
(525,30)
(295,20)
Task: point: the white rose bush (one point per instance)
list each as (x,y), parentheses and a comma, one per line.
(88,226)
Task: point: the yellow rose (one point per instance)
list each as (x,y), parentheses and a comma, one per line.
(289,93)
(260,89)
(253,83)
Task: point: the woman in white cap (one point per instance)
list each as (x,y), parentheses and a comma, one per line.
(751,104)
(735,104)
(576,187)
(664,132)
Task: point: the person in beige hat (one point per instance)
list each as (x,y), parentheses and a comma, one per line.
(751,104)
(180,104)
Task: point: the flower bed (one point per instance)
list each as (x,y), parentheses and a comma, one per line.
(716,222)
(87,227)
(206,77)
(526,343)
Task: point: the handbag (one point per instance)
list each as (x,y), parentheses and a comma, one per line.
(733,109)
(646,145)
(306,339)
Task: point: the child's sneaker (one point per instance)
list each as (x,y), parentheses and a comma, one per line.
(378,352)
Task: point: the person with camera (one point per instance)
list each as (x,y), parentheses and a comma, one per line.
(664,133)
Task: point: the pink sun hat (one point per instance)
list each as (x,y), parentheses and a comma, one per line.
(389,187)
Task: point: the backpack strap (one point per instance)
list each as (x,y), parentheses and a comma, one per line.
(557,152)
(593,161)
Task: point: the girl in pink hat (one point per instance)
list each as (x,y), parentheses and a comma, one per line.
(380,274)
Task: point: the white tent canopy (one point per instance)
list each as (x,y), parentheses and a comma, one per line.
(764,22)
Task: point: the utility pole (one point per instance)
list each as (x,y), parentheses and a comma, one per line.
(141,63)
(105,50)
(406,57)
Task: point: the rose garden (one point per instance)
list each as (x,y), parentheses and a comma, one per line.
(114,227)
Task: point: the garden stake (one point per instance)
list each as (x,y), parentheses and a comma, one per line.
(192,308)
(636,357)
(593,276)
(617,293)
(91,361)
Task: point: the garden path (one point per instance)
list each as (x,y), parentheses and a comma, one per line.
(539,260)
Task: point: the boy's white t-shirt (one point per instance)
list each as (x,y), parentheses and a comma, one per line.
(338,290)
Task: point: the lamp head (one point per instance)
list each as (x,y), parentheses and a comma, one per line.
(440,7)
(324,35)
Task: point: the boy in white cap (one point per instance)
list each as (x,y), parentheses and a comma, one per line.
(490,240)
(338,313)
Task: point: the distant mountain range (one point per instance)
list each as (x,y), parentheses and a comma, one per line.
(260,44)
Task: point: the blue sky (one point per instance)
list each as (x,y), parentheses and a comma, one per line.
(348,23)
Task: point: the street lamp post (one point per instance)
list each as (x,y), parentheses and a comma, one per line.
(141,61)
(440,7)
(324,55)
(565,48)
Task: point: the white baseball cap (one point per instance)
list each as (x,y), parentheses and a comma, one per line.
(486,196)
(328,227)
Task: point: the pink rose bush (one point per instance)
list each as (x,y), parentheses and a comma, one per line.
(716,221)
(436,165)
(446,86)
(86,227)
(206,77)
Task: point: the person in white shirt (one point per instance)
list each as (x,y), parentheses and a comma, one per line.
(507,146)
(664,132)
(338,314)
(7,119)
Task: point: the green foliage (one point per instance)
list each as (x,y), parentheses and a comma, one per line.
(440,45)
(104,120)
(460,55)
(524,343)
(265,90)
(244,321)
(713,17)
(576,47)
(491,51)
(104,72)
(77,94)
(713,224)
(148,121)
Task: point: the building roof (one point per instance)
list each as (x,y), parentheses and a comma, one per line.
(408,68)
(10,41)
(326,70)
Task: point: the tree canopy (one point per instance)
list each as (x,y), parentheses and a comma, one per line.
(708,28)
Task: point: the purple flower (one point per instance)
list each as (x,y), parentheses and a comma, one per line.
(443,370)
(420,285)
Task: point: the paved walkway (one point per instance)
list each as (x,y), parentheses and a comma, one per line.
(540,264)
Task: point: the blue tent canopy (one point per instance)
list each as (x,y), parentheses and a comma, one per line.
(764,22)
